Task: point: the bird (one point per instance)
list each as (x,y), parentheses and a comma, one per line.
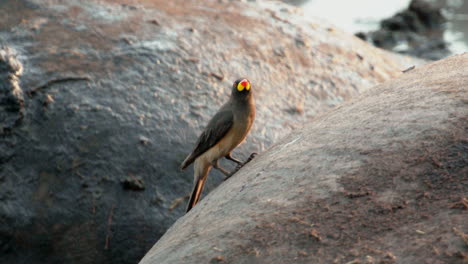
(226,130)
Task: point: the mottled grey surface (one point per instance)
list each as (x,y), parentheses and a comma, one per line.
(116,91)
(379,179)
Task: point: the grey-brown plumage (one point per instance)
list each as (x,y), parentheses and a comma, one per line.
(224,132)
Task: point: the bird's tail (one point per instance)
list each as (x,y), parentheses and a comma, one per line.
(201,172)
(187,162)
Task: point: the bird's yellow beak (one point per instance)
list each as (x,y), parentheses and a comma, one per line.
(244,84)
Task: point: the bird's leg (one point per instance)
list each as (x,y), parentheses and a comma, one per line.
(216,166)
(229,157)
(240,165)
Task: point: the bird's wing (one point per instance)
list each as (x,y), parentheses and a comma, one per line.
(216,129)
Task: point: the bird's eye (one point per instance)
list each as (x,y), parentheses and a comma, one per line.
(244,84)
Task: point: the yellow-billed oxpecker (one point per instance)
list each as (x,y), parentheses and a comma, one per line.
(225,131)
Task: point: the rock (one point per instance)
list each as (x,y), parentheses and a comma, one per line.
(116,78)
(416,31)
(134,183)
(374,180)
(11,94)
(429,13)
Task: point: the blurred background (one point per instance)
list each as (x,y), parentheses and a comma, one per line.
(363,16)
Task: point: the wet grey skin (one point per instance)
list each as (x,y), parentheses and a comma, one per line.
(225,131)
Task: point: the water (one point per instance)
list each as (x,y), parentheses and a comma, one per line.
(457,28)
(365,15)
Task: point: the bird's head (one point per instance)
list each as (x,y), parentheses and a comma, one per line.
(241,88)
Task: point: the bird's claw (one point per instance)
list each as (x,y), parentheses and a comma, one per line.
(238,167)
(251,157)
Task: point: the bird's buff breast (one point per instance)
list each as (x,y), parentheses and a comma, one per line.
(225,145)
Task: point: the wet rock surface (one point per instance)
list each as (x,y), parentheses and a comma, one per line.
(417,31)
(380,179)
(119,89)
